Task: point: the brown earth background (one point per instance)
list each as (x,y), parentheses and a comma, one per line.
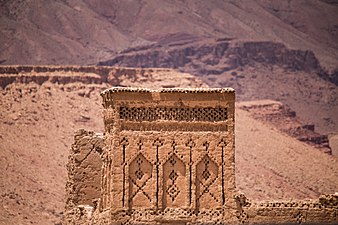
(284,51)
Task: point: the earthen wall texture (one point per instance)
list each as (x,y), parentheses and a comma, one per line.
(315,211)
(84,173)
(170,154)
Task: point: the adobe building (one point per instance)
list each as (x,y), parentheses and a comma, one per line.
(168,157)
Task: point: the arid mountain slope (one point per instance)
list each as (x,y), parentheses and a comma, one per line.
(37,123)
(271,165)
(88,31)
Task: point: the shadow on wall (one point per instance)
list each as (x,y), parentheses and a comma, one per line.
(84,169)
(333,142)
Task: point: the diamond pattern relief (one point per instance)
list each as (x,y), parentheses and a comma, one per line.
(173,191)
(139,161)
(173,175)
(139,174)
(140,171)
(206,174)
(172,161)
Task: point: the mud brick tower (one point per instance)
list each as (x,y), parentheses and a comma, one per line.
(169,155)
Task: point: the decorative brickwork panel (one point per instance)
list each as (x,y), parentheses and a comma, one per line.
(174,182)
(170,113)
(207,195)
(172,155)
(182,170)
(140,172)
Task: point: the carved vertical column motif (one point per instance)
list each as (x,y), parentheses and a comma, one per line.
(157,143)
(190,144)
(106,181)
(167,173)
(124,143)
(222,144)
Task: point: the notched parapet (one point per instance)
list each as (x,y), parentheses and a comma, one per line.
(315,211)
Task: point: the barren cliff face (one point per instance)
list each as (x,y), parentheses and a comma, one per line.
(87,31)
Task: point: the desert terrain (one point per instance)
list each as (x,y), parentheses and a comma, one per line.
(85,32)
(280,56)
(39,118)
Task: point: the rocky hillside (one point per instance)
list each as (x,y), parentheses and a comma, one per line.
(87,31)
(96,75)
(215,57)
(284,119)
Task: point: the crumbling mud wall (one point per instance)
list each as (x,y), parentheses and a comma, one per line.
(84,174)
(320,211)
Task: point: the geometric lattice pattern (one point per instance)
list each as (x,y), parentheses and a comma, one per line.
(173,190)
(140,171)
(176,114)
(207,173)
(174,169)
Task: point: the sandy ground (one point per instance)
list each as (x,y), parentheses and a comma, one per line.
(272,165)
